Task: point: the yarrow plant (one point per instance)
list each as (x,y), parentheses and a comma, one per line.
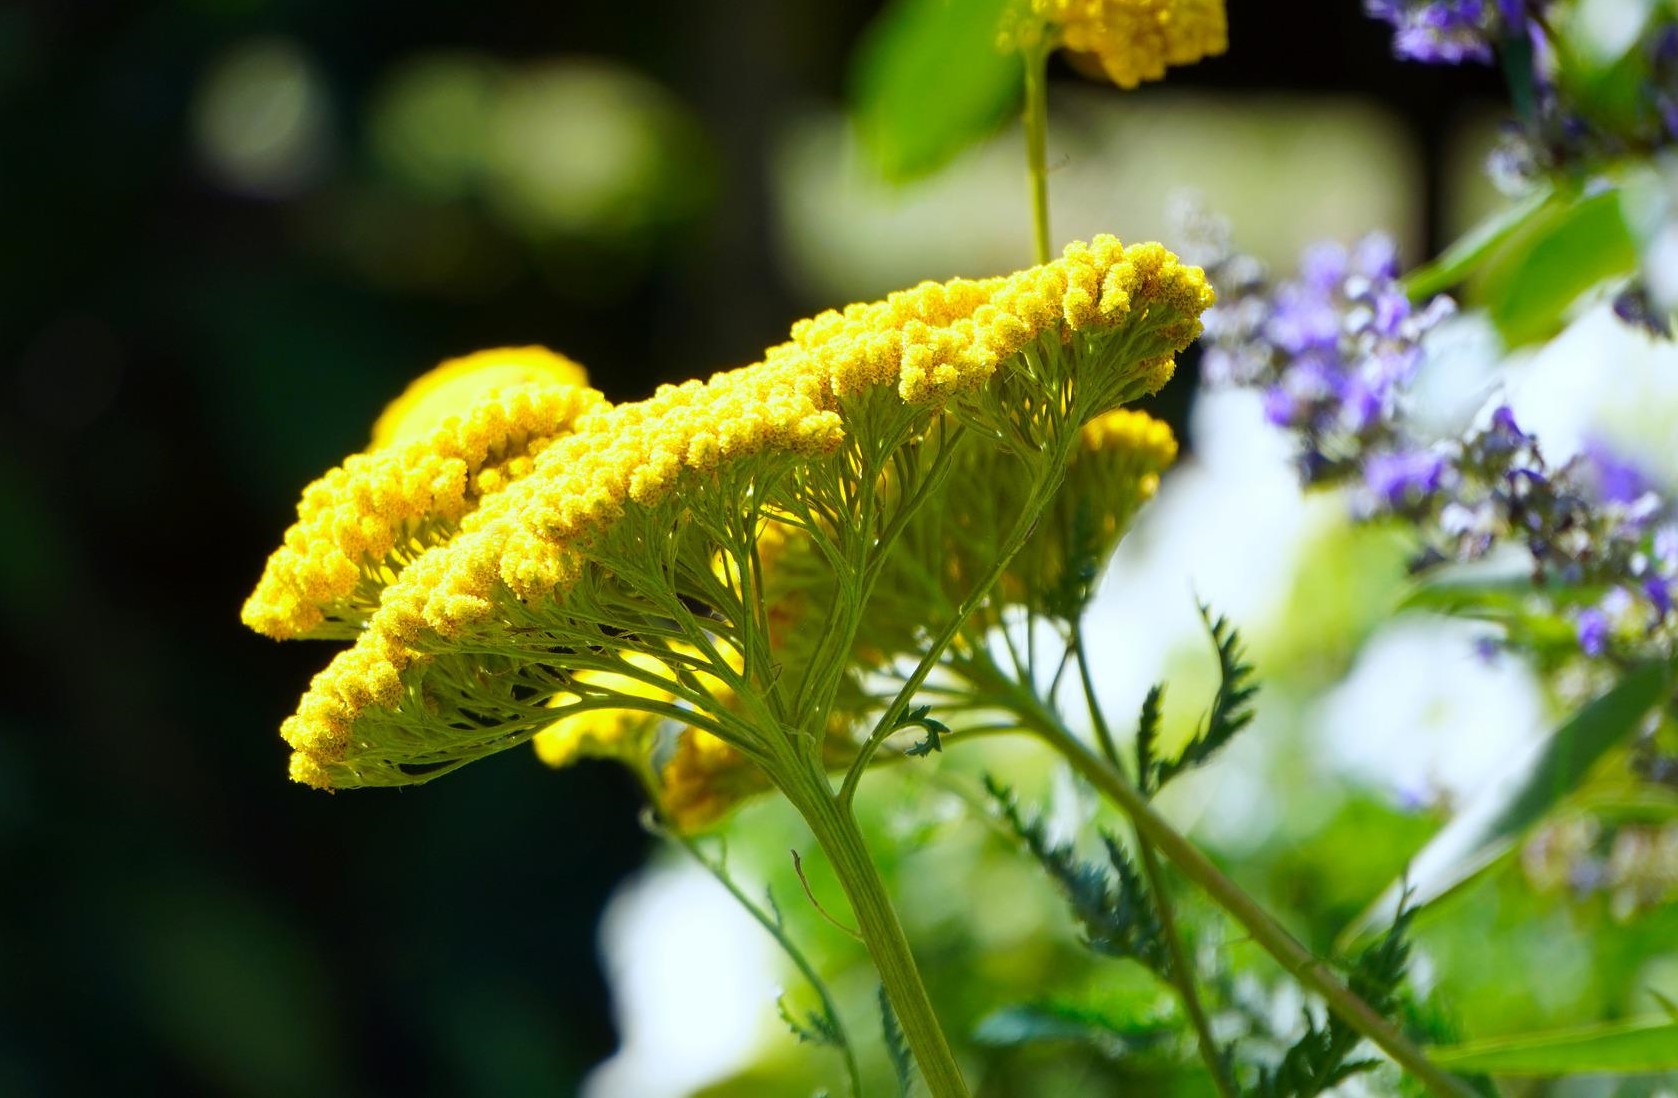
(775,580)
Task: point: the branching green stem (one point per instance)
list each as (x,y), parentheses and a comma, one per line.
(1054,466)
(835,829)
(778,932)
(1265,930)
(1182,973)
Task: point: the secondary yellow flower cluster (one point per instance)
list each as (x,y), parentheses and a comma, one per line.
(1115,470)
(1130,40)
(602,558)
(458,434)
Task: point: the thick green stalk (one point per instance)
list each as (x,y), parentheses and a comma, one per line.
(1037,145)
(1266,931)
(835,829)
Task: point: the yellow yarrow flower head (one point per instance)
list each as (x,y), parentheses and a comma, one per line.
(362,523)
(635,544)
(1129,41)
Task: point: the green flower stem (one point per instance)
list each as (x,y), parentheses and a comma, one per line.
(1037,144)
(1182,973)
(1054,468)
(772,924)
(835,829)
(1265,930)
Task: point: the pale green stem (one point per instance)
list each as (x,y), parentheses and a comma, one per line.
(1182,974)
(1265,930)
(776,931)
(835,829)
(1054,466)
(1037,145)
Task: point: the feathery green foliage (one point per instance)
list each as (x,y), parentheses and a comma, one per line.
(1232,708)
(1114,910)
(1321,1057)
(896,1047)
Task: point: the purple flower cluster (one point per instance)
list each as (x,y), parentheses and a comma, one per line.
(1557,130)
(1333,351)
(1447,32)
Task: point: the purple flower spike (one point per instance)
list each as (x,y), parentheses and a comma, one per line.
(1659,593)
(1280,408)
(1396,478)
(1392,309)
(1615,479)
(1376,257)
(1665,544)
(1593,632)
(1322,267)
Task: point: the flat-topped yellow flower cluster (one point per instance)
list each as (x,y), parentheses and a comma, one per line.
(362,523)
(542,556)
(1130,40)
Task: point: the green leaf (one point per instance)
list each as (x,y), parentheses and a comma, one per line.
(1232,706)
(1478,244)
(928,81)
(1029,1024)
(1476,838)
(935,731)
(1563,251)
(1640,1045)
(897,1048)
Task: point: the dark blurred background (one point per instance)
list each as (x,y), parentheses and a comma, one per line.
(230,230)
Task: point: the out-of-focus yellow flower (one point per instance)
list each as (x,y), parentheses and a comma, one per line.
(1129,41)
(457,383)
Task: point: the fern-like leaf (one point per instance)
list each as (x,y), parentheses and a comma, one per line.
(1114,909)
(816,1027)
(1147,737)
(897,1047)
(935,731)
(1232,706)
(1320,1059)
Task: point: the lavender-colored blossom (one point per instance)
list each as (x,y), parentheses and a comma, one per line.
(1376,257)
(1592,631)
(1280,408)
(1304,320)
(1665,546)
(1613,478)
(1438,31)
(1659,593)
(1397,478)
(1334,351)
(1505,435)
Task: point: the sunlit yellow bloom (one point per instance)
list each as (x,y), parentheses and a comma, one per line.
(1133,40)
(602,733)
(610,545)
(459,382)
(362,523)
(704,779)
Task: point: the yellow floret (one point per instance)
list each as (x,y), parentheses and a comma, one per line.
(1134,40)
(362,523)
(454,385)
